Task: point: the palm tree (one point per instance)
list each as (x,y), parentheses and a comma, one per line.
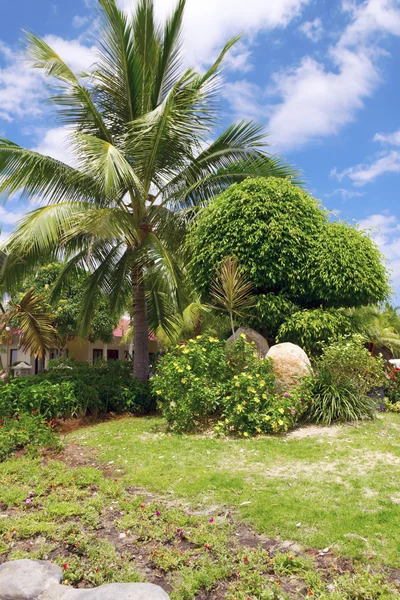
(380,326)
(140,129)
(34,322)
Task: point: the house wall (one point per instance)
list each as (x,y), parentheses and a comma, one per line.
(80,350)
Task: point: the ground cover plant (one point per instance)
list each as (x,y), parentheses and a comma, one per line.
(29,431)
(186,534)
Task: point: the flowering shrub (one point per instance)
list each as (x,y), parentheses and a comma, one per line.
(27,431)
(191,380)
(392,391)
(206,377)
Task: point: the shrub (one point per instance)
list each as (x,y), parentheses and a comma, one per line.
(27,431)
(70,389)
(206,378)
(345,374)
(392,389)
(190,381)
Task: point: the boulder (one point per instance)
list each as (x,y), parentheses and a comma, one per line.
(290,364)
(260,342)
(41,580)
(27,579)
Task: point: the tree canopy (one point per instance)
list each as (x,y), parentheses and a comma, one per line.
(293,254)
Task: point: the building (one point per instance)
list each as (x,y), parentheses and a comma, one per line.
(77,349)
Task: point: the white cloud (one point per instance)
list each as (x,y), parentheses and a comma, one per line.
(385,231)
(318,102)
(79,21)
(318,98)
(388,138)
(22,89)
(244,99)
(77,56)
(208,23)
(54,143)
(366,173)
(313,30)
(345,194)
(370,18)
(9,218)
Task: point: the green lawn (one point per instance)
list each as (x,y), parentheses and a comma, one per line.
(213,519)
(319,490)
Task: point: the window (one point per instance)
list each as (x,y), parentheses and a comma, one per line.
(97,355)
(112,355)
(13,356)
(53,354)
(39,365)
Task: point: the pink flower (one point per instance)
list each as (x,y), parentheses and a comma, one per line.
(211,520)
(286,395)
(158,514)
(28,500)
(31,494)
(292,411)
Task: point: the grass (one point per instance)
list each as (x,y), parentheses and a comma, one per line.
(185,512)
(338,489)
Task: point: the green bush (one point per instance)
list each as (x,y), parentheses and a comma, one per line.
(207,379)
(191,380)
(27,431)
(70,389)
(345,374)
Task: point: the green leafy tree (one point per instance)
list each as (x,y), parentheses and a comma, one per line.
(294,256)
(67,309)
(139,130)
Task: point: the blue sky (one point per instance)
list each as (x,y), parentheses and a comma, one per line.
(322,75)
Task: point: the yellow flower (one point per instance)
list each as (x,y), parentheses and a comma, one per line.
(280,422)
(204,349)
(183,380)
(237,384)
(258,430)
(246,434)
(243,336)
(180,370)
(267,418)
(228,398)
(188,368)
(175,364)
(257,400)
(226,420)
(186,351)
(257,374)
(239,408)
(196,378)
(198,337)
(158,392)
(252,390)
(191,340)
(264,396)
(281,410)
(262,383)
(235,377)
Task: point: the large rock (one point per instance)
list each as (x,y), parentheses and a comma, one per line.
(41,580)
(252,336)
(290,364)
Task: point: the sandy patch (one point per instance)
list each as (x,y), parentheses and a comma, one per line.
(314,431)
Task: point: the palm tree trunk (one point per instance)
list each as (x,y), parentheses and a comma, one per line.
(140,327)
